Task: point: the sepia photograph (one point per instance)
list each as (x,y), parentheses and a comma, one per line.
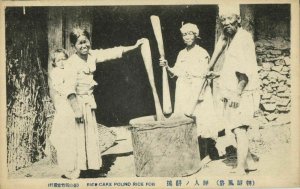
(158,94)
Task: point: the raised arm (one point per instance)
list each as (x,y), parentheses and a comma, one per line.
(137,44)
(103,55)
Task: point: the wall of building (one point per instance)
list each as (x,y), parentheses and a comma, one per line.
(272,39)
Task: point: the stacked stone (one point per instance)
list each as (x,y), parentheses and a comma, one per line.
(273,57)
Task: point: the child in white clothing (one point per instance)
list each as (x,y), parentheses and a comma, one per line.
(63,127)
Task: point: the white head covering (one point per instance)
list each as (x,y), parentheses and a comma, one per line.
(230,8)
(188,27)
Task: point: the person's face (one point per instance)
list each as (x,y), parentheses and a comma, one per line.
(230,24)
(82,45)
(60,59)
(188,38)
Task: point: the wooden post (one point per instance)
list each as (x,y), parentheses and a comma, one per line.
(55,36)
(247,15)
(55,41)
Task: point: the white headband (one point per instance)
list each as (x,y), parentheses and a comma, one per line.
(229,9)
(188,27)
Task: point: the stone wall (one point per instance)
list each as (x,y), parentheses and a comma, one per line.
(273,57)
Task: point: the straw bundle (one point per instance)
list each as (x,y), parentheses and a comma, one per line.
(29,109)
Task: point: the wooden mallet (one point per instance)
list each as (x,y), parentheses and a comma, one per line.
(147,57)
(167,107)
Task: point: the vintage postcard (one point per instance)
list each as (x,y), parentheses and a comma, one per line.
(149,94)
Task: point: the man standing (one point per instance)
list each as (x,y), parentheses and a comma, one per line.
(238,84)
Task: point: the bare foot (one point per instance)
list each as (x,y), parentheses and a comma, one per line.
(72,174)
(251,166)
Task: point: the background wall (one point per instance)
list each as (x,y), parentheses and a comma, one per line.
(272,39)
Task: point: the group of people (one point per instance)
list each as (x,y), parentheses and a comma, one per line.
(74,133)
(223,100)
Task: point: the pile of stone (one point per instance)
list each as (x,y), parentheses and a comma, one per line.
(273,57)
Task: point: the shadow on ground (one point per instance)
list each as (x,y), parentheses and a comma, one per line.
(107,162)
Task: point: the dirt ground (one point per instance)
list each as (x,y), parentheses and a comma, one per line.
(270,147)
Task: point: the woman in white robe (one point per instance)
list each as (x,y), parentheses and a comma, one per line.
(190,69)
(84,154)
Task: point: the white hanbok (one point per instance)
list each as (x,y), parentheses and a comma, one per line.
(62,135)
(78,144)
(191,67)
